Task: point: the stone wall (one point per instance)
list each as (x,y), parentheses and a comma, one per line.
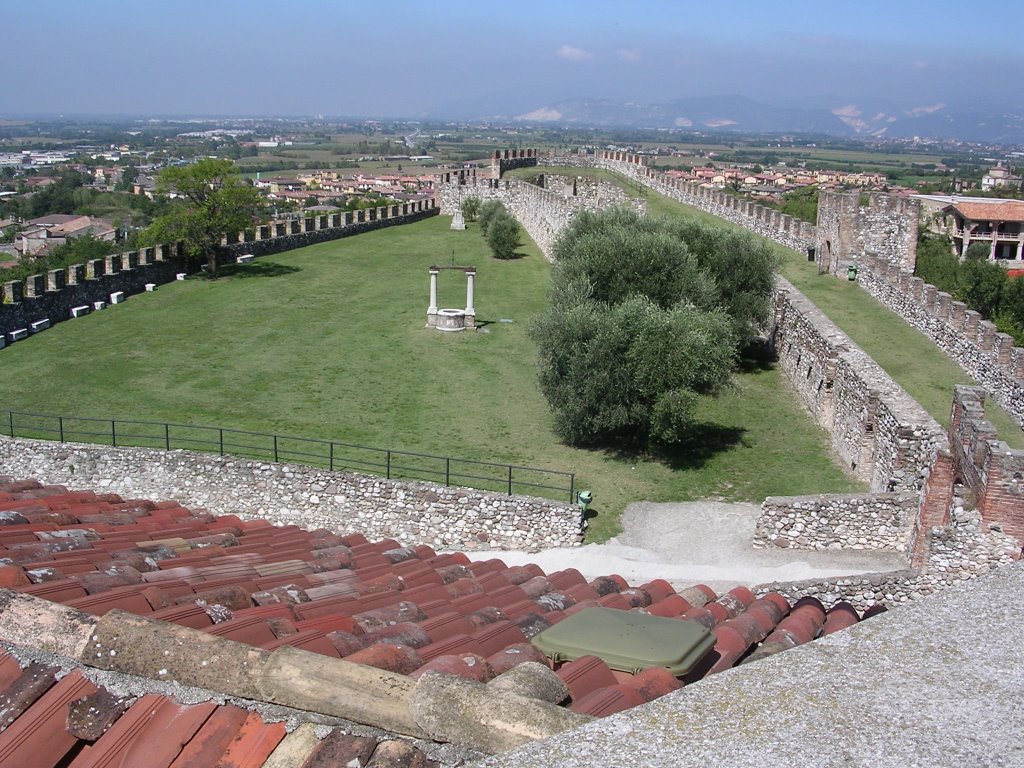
(959,552)
(52,296)
(579,159)
(975,344)
(544,213)
(775,225)
(837,521)
(886,226)
(509,159)
(882,435)
(449,518)
(990,471)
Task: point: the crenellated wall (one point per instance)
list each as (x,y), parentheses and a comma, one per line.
(886,226)
(509,159)
(985,465)
(987,355)
(54,295)
(775,225)
(544,213)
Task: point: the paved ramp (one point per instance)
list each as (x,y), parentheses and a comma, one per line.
(698,542)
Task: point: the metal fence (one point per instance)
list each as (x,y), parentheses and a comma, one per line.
(327,454)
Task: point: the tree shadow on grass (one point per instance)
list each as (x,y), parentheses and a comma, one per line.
(756,356)
(256,269)
(702,442)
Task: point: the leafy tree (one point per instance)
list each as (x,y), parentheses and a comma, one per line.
(742,269)
(801,203)
(1011,309)
(936,262)
(643,321)
(978,251)
(487,212)
(471,208)
(215,200)
(503,236)
(980,285)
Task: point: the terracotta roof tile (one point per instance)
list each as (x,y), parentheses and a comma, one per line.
(150,734)
(990,210)
(22,692)
(404,609)
(38,737)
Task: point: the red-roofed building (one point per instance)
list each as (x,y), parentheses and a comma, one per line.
(997,223)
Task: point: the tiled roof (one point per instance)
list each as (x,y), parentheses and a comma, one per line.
(404,609)
(990,210)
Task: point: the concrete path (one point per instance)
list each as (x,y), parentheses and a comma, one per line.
(697,542)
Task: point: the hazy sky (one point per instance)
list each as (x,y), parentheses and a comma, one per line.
(406,58)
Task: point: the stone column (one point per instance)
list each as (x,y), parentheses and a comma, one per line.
(470,309)
(432,307)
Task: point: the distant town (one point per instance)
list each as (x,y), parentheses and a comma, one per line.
(63,180)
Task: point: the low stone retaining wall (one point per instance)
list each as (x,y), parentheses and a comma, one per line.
(959,552)
(853,521)
(445,518)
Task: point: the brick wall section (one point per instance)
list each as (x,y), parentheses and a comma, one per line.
(410,512)
(985,465)
(976,345)
(53,296)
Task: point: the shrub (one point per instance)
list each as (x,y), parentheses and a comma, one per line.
(487,212)
(471,208)
(503,236)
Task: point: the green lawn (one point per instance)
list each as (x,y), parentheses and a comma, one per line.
(329,341)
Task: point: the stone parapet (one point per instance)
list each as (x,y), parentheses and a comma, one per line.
(288,494)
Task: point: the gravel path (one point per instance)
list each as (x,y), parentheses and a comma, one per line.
(698,542)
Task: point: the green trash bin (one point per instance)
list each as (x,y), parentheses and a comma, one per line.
(851,272)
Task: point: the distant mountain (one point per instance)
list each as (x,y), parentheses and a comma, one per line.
(741,114)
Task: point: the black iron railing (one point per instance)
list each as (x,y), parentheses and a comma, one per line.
(327,454)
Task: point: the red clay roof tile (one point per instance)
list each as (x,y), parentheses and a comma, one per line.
(38,737)
(150,734)
(584,675)
(34,680)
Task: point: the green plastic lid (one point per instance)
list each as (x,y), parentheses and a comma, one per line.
(627,640)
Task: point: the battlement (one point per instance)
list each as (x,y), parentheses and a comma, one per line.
(976,344)
(56,295)
(768,222)
(544,213)
(852,225)
(509,159)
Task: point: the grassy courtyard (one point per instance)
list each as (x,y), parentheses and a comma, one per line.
(329,342)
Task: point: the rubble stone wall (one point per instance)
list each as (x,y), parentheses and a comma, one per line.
(410,512)
(837,521)
(975,344)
